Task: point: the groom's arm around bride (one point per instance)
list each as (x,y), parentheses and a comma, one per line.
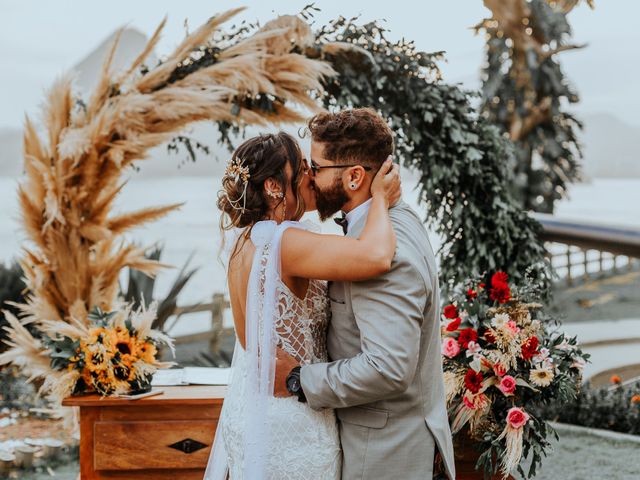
(386,378)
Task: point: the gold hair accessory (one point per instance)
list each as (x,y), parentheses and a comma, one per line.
(238,172)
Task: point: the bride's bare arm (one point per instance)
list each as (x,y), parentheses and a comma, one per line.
(333,257)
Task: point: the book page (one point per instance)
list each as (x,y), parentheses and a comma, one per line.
(207,375)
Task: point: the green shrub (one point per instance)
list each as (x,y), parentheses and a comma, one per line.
(616,409)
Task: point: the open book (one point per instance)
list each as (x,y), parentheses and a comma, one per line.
(191,376)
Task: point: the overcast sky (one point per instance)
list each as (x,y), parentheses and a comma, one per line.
(41,39)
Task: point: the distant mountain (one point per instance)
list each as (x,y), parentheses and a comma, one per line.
(131,44)
(611,147)
(162,163)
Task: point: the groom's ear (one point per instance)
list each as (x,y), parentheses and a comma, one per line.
(356,178)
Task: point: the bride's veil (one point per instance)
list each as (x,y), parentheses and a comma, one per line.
(261,309)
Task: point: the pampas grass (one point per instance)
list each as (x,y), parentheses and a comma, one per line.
(74,170)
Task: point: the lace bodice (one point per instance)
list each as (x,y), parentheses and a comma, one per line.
(301,324)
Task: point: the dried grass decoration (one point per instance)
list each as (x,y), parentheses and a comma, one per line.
(73,174)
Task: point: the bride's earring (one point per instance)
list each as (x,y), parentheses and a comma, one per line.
(353,186)
(284,210)
(275,194)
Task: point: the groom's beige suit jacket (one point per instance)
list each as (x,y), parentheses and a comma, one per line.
(385,379)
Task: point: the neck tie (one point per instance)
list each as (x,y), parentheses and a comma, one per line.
(342,221)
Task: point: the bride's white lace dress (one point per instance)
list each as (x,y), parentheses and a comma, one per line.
(302,443)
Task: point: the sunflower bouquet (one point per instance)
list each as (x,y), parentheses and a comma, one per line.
(110,353)
(501,362)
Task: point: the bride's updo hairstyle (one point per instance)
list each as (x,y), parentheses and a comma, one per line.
(243,200)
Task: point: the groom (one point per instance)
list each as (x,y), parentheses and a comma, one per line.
(385,380)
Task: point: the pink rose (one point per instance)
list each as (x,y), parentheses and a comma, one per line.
(450,347)
(507,385)
(511,325)
(517,418)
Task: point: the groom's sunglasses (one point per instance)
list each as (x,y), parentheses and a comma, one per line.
(315,168)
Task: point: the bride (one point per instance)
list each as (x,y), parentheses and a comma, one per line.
(266,190)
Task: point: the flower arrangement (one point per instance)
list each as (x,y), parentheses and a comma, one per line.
(501,360)
(111,353)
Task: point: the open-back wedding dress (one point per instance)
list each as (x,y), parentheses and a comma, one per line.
(260,436)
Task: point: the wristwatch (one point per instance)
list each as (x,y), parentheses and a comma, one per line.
(294,387)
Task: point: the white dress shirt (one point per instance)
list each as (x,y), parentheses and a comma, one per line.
(357,213)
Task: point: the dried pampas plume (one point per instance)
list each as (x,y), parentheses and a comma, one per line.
(74,171)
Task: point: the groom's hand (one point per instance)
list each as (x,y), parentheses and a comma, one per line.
(284,364)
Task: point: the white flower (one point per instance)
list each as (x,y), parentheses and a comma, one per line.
(579,363)
(476,364)
(542,356)
(565,346)
(541,376)
(473,349)
(500,320)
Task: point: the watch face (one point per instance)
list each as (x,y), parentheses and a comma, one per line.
(294,384)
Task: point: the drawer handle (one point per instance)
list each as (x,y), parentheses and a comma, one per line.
(188,445)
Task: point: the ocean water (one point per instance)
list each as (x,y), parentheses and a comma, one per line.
(194,229)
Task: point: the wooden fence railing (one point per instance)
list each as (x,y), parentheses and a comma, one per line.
(216,308)
(579,250)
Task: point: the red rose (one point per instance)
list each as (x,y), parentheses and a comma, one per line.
(489,337)
(471,294)
(454,324)
(530,347)
(499,277)
(467,335)
(482,285)
(450,311)
(473,381)
(500,292)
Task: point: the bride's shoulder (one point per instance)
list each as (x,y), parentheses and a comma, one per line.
(307,225)
(264,231)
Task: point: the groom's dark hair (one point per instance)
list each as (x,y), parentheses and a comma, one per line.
(357,135)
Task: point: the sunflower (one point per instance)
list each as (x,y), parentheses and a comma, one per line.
(123,367)
(96,360)
(126,346)
(103,336)
(541,376)
(147,352)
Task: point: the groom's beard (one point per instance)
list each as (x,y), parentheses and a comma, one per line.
(329,201)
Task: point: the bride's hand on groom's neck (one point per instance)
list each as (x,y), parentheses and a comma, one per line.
(386,184)
(284,364)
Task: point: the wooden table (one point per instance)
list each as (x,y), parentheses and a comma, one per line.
(165,436)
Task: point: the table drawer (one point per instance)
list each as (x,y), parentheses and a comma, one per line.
(139,445)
